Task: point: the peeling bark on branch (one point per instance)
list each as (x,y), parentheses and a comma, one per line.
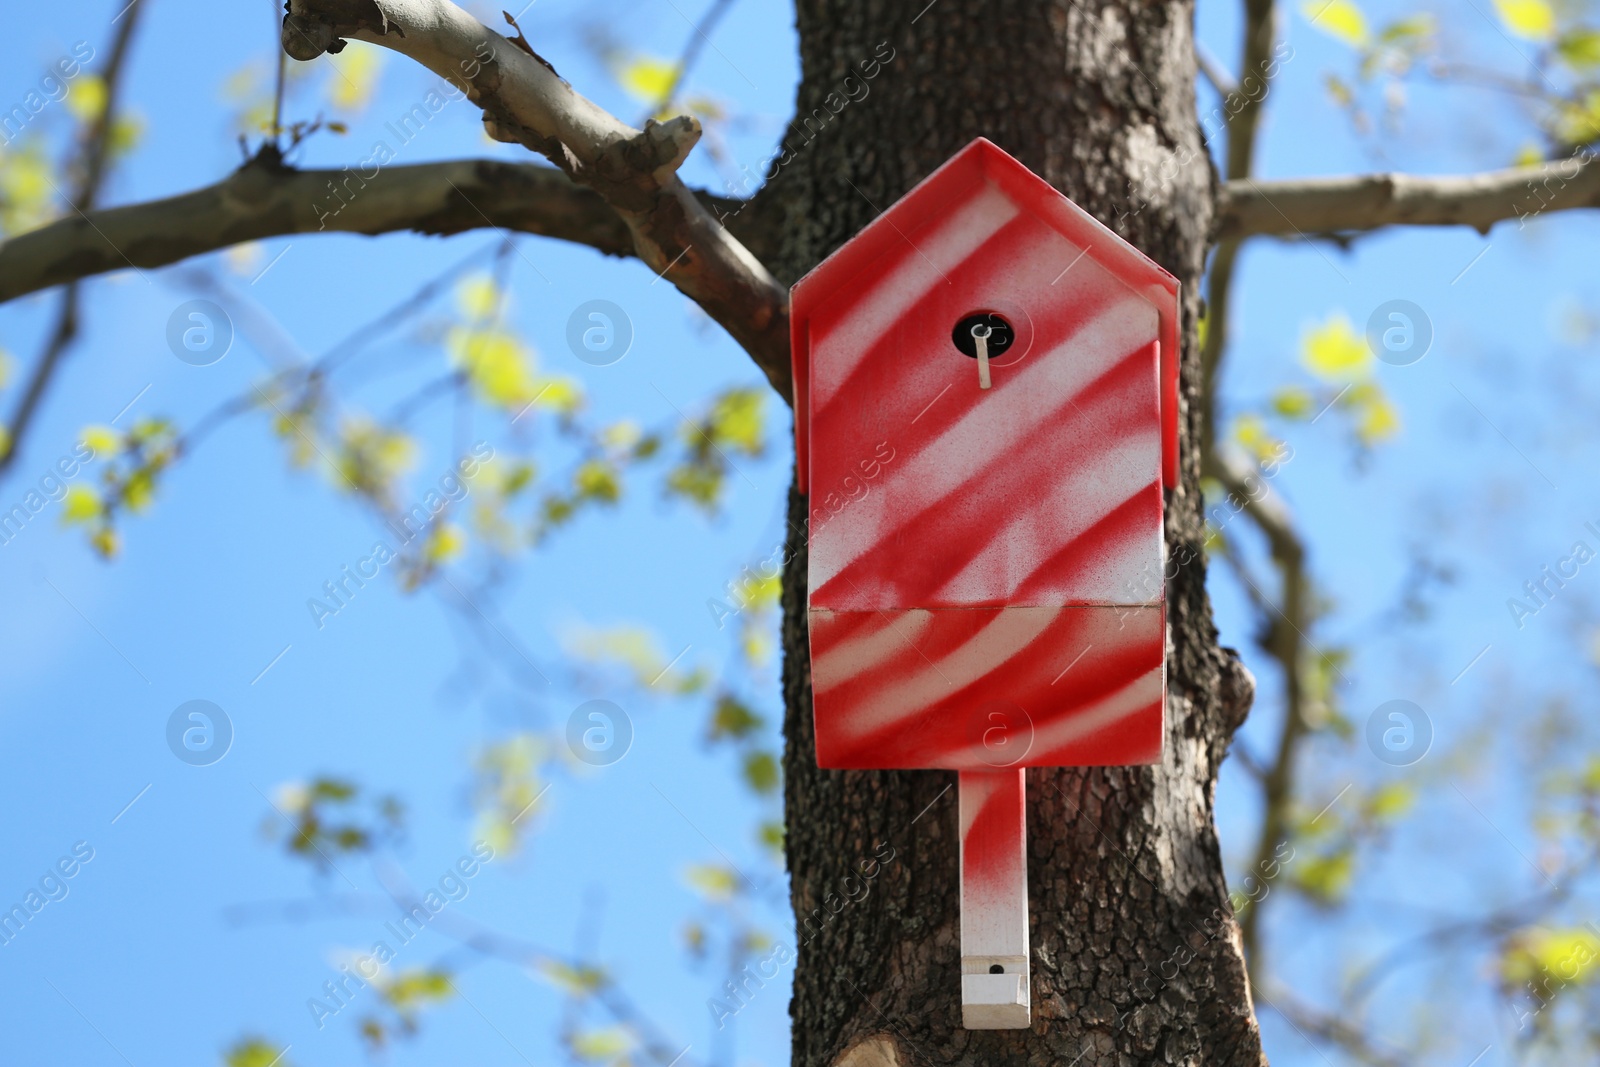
(526,102)
(263,199)
(1309,206)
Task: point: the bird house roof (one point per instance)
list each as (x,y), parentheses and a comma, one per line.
(853,272)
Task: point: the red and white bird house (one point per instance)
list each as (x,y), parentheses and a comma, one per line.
(986,413)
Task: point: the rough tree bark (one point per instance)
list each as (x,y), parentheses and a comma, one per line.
(1135,951)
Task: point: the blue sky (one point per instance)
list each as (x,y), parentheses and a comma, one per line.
(140,961)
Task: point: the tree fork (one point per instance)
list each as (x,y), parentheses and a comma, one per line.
(1136,955)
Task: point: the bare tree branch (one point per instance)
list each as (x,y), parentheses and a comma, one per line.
(1243,111)
(1248,208)
(1213,71)
(1283,628)
(267,199)
(91,164)
(1333,1029)
(526,102)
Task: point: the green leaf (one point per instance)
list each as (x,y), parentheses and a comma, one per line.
(1579,123)
(1569,955)
(1250,431)
(1340,93)
(761,591)
(255,1052)
(477,296)
(1529,155)
(1325,878)
(517,478)
(715,883)
(1340,19)
(355,76)
(761,772)
(736,420)
(102,440)
(1293,402)
(576,981)
(81,504)
(1335,351)
(700,483)
(446,543)
(106,542)
(86,98)
(499,366)
(332,789)
(757,644)
(1534,20)
(1376,417)
(1391,801)
(508,788)
(648,78)
(602,1045)
(636,648)
(139,489)
(1591,772)
(597,480)
(622,436)
(416,987)
(1580,48)
(731,718)
(1409,30)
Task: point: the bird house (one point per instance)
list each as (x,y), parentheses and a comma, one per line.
(986,414)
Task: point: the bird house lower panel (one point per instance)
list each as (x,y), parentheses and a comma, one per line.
(975,688)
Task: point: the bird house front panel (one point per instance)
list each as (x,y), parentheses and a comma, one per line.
(985,439)
(1044,488)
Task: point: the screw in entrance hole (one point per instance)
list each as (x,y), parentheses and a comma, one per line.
(995,968)
(1000,339)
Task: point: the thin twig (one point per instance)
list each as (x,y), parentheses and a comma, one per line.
(691,52)
(91,166)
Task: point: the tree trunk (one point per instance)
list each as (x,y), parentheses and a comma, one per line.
(1136,955)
